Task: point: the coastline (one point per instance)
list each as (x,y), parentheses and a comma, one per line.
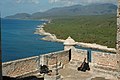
(47,36)
(52,37)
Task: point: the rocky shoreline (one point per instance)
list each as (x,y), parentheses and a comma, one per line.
(47,36)
(52,37)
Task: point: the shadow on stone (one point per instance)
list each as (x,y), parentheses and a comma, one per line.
(25,78)
(8,78)
(99,78)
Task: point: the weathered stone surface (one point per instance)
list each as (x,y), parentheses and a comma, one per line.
(78,54)
(61,56)
(19,67)
(104,59)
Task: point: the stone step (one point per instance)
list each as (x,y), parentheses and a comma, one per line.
(114,73)
(105,67)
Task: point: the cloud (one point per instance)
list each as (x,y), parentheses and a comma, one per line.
(63,2)
(68,2)
(82,2)
(18,1)
(35,1)
(28,1)
(101,1)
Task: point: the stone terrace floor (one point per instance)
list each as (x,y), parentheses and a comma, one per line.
(71,73)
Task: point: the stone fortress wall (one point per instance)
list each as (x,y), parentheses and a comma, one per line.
(22,67)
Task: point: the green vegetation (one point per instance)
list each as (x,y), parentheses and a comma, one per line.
(100,29)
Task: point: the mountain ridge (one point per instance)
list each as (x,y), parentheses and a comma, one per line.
(75,10)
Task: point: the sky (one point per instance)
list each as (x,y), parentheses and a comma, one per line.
(11,7)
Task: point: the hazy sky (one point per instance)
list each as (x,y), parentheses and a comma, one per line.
(10,7)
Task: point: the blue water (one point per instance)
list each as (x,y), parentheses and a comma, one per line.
(19,40)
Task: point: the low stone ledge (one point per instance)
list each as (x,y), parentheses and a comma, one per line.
(19,60)
(97,47)
(105,69)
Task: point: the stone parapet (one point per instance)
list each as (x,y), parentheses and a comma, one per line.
(61,56)
(104,59)
(20,67)
(27,66)
(79,54)
(97,57)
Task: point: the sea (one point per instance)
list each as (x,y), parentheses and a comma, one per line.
(19,41)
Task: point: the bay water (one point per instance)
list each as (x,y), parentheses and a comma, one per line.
(19,41)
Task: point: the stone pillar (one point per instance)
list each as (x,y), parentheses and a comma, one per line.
(43,60)
(118,39)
